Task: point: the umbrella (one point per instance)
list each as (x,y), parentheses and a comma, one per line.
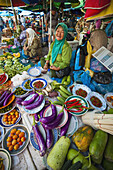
(25,12)
(5,13)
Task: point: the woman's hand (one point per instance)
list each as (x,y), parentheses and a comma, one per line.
(46,66)
(25,48)
(54,68)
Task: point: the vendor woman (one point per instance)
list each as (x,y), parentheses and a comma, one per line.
(32,47)
(59,56)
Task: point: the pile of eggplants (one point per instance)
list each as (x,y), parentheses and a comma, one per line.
(49,123)
(4,98)
(33,102)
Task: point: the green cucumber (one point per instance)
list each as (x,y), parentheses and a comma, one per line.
(67,165)
(65,90)
(63,94)
(108,154)
(76,166)
(64,79)
(61,99)
(58,103)
(69,78)
(66,83)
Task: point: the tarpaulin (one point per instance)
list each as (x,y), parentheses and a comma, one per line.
(15,3)
(103,14)
(97,4)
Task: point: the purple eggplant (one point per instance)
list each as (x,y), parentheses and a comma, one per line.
(47,102)
(49,138)
(7,99)
(3,94)
(50,118)
(19,101)
(42,111)
(27,102)
(39,138)
(35,104)
(55,123)
(64,129)
(36,116)
(2,101)
(28,94)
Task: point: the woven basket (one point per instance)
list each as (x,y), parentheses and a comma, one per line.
(98,39)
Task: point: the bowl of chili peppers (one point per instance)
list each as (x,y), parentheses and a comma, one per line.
(38,83)
(97,101)
(3,78)
(76,105)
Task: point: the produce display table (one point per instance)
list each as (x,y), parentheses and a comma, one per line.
(29,158)
(8,40)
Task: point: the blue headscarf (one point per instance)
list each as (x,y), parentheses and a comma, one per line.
(57,47)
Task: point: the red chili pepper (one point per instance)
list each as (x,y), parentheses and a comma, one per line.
(75,106)
(75,103)
(75,111)
(69,101)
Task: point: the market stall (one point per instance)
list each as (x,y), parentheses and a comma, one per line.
(58,123)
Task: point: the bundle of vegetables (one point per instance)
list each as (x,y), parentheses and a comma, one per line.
(13,67)
(55,85)
(64,95)
(35,100)
(6,98)
(39,138)
(66,80)
(99,121)
(52,121)
(74,156)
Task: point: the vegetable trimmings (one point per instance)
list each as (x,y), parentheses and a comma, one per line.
(27,84)
(19,91)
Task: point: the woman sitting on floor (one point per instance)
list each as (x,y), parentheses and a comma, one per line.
(59,56)
(32,47)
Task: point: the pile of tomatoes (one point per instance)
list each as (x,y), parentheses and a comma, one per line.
(15,139)
(11,117)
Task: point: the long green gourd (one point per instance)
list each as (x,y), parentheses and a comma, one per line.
(58,153)
(97,146)
(109,149)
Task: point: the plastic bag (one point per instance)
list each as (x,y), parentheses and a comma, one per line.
(77,76)
(109,29)
(96,66)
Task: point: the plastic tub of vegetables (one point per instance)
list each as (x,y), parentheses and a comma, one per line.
(14,49)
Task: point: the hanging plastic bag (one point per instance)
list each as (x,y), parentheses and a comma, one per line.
(88,57)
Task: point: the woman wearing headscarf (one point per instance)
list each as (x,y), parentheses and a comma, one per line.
(32,47)
(60,53)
